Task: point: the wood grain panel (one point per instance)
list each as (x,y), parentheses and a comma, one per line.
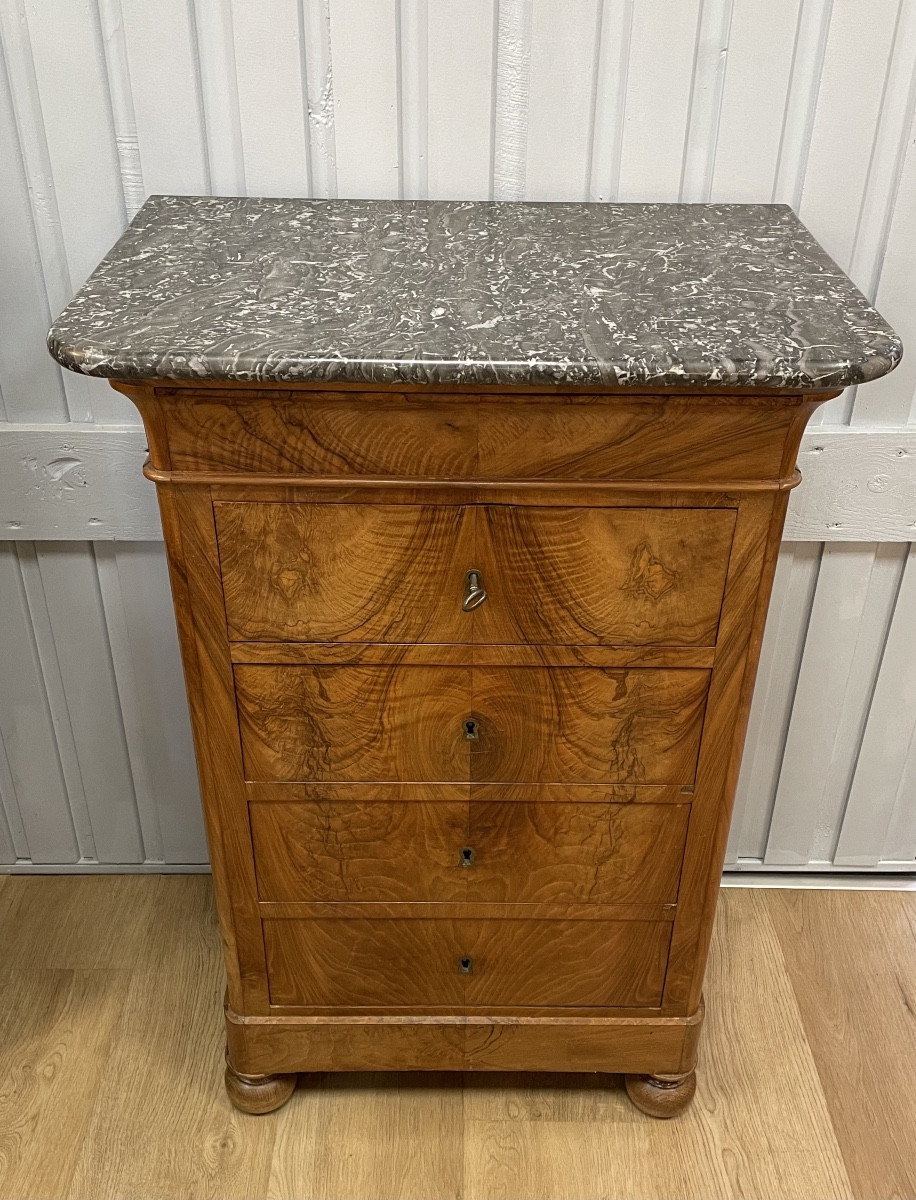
(354,723)
(474,435)
(561,853)
(576,726)
(346,572)
(676,439)
(584,725)
(360,851)
(602,575)
(417,963)
(395,573)
(557,853)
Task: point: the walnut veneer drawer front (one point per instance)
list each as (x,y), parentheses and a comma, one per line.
(461,963)
(530,724)
(503,852)
(397,573)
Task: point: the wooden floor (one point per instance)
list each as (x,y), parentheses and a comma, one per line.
(110,1070)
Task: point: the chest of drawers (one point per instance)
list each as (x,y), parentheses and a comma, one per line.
(469,640)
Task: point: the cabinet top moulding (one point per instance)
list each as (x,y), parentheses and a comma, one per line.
(383,293)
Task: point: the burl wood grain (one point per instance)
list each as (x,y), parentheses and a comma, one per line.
(574,725)
(346,572)
(417,963)
(555,853)
(396,573)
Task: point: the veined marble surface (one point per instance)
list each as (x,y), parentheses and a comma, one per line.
(386,291)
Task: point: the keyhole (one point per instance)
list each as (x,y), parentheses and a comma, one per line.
(471,730)
(467,857)
(465,965)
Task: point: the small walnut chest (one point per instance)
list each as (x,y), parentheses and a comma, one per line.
(472,513)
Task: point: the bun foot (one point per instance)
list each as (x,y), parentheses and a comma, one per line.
(258,1093)
(661,1096)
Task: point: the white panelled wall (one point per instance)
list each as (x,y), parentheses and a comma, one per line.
(102,102)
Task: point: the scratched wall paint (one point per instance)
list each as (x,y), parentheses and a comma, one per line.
(108,101)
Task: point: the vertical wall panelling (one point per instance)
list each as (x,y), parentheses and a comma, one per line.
(755,98)
(80,647)
(150,665)
(459,95)
(144,777)
(161,42)
(659,83)
(319,85)
(801,103)
(8,853)
(111,22)
(845,123)
(888,738)
(51,679)
(853,601)
(413,60)
(30,383)
(510,119)
(31,743)
(787,626)
(611,69)
(900,843)
(33,145)
(888,152)
(272,100)
(220,95)
(69,65)
(366,121)
(561,100)
(710,57)
(892,400)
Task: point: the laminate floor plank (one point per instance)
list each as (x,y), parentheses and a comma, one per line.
(84,922)
(366,1137)
(758,1128)
(162,1126)
(111,1064)
(57,1029)
(852,961)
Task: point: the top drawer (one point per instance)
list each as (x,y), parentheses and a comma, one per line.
(397,573)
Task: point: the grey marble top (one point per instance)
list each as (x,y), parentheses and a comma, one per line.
(385,291)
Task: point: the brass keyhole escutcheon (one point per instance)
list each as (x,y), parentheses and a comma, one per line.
(465,965)
(467,857)
(474,594)
(471,730)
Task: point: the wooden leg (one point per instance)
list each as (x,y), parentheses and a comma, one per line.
(258,1093)
(661,1095)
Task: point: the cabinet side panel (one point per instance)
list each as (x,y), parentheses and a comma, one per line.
(753,563)
(187,516)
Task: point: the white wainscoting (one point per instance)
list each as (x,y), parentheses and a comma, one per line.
(807,102)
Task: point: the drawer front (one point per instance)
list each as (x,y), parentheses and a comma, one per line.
(396,573)
(449,724)
(557,853)
(430,963)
